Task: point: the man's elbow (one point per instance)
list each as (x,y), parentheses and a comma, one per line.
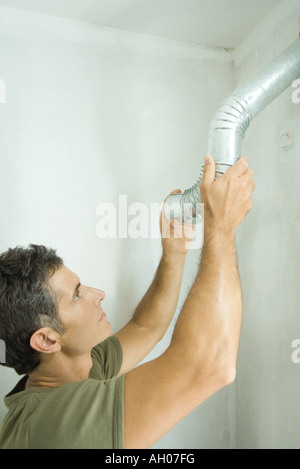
(225,372)
(230,376)
(216,378)
(221,361)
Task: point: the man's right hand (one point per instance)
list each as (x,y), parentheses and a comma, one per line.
(227,200)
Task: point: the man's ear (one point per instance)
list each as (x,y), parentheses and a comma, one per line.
(45,340)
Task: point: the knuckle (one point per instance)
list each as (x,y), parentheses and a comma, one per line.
(243,184)
(229,177)
(232,180)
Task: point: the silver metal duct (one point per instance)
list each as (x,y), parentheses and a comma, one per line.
(231,121)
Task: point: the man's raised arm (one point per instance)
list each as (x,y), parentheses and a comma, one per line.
(154,313)
(201,358)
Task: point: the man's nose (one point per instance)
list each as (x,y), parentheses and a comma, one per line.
(102,294)
(99,295)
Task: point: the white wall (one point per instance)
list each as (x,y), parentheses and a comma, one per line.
(92,113)
(268,382)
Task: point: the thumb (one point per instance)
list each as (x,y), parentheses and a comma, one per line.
(209,171)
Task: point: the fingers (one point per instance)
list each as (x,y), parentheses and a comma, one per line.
(177,191)
(243,174)
(163,216)
(239,168)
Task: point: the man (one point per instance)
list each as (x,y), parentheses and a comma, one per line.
(77,394)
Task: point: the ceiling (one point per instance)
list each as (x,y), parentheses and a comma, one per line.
(216,23)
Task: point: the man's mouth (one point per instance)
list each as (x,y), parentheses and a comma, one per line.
(102,317)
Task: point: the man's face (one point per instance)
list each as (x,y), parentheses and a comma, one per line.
(80,310)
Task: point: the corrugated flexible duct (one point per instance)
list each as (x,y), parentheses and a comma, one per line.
(231,121)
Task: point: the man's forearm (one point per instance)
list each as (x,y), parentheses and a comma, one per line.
(208,327)
(201,358)
(158,306)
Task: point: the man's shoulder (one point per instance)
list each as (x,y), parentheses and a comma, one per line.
(107,359)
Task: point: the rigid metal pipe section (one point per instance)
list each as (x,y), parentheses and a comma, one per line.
(231,122)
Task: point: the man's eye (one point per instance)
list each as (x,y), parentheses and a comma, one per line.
(77,297)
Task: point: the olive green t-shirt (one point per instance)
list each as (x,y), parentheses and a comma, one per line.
(79,415)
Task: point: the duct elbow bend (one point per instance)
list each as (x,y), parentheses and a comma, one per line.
(226,136)
(227,132)
(233,118)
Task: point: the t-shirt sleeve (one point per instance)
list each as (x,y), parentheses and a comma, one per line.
(107,359)
(84,415)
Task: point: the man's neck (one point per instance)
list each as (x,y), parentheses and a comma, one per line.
(58,369)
